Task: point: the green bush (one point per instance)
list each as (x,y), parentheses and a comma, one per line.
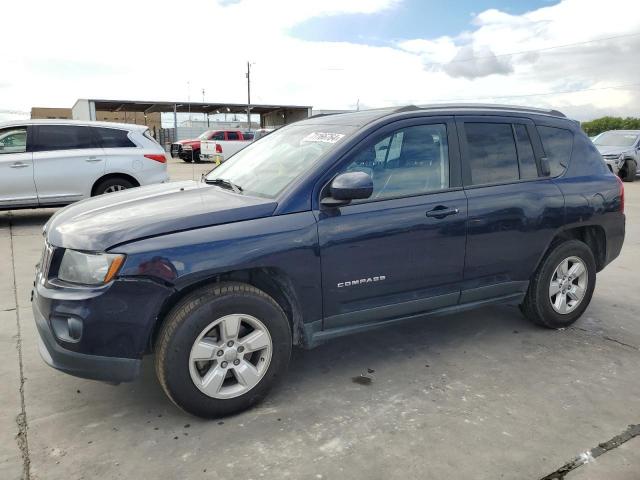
(599,125)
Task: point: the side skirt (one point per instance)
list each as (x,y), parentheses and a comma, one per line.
(314,335)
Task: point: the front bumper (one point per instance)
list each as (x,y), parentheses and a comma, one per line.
(112,326)
(613,164)
(94,367)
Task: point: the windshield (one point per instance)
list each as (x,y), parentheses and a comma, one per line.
(616,139)
(267,166)
(205,135)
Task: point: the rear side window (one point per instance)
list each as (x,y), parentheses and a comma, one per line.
(113,138)
(233,136)
(492,153)
(247,136)
(13,140)
(557,144)
(526,158)
(63,137)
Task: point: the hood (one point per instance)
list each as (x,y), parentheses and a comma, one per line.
(612,150)
(99,223)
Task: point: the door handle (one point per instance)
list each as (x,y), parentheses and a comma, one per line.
(441,211)
(19,165)
(94,159)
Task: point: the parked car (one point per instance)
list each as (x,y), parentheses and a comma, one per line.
(56,162)
(327,227)
(620,150)
(220,150)
(189,150)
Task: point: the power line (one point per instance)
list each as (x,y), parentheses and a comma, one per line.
(614,87)
(522,52)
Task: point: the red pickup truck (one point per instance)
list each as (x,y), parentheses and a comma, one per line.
(189,150)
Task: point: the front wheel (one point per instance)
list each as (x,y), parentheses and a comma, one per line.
(628,172)
(222,348)
(562,287)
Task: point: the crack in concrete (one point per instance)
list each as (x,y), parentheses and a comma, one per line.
(21,418)
(605,337)
(602,448)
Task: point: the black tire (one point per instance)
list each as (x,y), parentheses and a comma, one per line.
(190,317)
(186,160)
(537,305)
(196,156)
(120,183)
(628,172)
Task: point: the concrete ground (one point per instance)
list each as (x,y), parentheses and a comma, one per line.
(481,395)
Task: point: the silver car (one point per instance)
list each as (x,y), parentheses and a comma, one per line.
(57,162)
(620,150)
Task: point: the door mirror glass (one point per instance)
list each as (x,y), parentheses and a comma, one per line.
(545,167)
(349,186)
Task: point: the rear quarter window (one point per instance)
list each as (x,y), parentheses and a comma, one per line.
(557,144)
(113,138)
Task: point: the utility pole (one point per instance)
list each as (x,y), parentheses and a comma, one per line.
(249,95)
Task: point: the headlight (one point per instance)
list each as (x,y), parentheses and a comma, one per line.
(89,268)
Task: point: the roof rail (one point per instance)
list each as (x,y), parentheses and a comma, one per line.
(488,106)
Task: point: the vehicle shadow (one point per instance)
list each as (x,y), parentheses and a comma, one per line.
(27,218)
(343,362)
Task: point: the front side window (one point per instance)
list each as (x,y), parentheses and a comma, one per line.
(113,138)
(217,136)
(410,161)
(13,140)
(492,153)
(266,167)
(63,137)
(557,144)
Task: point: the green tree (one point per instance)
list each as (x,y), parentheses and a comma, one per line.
(599,125)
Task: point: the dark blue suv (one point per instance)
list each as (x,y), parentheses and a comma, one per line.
(330,226)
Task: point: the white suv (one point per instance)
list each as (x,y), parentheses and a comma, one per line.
(57,162)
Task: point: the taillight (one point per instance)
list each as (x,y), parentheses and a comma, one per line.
(158,157)
(218,148)
(621,194)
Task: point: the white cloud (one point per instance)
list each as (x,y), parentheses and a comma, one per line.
(66,50)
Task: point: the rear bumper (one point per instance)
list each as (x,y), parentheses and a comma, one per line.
(94,367)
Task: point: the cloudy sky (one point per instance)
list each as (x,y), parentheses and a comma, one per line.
(580,56)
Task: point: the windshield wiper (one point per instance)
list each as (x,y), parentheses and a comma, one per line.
(228,184)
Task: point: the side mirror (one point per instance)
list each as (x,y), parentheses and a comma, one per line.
(349,186)
(545,167)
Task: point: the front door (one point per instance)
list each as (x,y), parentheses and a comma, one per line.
(67,161)
(400,252)
(17,186)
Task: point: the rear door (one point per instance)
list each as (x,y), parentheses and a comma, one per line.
(67,161)
(17,186)
(514,210)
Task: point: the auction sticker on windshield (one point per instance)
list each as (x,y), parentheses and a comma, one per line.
(323,137)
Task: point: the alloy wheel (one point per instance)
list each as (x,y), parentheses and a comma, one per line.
(230,356)
(568,285)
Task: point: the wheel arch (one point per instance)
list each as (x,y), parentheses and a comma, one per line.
(271,280)
(108,176)
(593,236)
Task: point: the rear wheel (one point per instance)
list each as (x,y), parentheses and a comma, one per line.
(112,185)
(628,172)
(222,348)
(562,287)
